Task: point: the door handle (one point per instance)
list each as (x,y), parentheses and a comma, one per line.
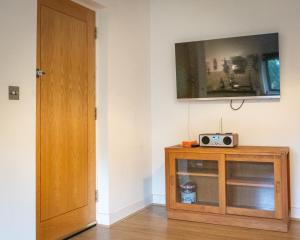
(39,73)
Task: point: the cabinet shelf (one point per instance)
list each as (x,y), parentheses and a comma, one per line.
(198,174)
(266,207)
(251,182)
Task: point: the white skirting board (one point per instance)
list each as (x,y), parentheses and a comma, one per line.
(159,199)
(295,213)
(111,218)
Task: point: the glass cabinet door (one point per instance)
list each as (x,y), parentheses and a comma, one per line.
(196,185)
(250,188)
(197,182)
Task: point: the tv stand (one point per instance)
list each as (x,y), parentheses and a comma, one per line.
(241,186)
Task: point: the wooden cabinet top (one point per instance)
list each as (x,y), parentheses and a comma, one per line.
(235,150)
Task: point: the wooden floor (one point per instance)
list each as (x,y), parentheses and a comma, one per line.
(152,224)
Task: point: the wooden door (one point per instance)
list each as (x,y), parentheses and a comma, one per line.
(253,185)
(65,119)
(206,173)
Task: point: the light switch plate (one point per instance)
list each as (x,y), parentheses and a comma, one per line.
(13,93)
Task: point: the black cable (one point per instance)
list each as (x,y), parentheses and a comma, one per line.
(238,108)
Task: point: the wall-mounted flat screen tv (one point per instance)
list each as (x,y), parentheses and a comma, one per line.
(239,67)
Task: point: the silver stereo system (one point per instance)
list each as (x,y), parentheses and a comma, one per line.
(218,140)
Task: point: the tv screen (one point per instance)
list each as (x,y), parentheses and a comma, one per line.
(238,67)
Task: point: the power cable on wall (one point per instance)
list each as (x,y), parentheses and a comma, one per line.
(238,108)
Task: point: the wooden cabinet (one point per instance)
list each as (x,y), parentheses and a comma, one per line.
(242,186)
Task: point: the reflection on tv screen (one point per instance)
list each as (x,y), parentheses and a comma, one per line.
(232,67)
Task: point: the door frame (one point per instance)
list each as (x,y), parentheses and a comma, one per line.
(91,19)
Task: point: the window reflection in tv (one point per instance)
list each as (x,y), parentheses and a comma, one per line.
(239,67)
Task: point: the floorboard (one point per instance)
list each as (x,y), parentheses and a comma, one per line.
(152,224)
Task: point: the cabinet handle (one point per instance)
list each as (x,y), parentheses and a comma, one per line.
(277,187)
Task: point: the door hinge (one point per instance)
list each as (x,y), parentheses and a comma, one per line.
(96,113)
(96,195)
(96,32)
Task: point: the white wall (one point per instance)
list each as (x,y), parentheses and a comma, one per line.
(17,119)
(124,162)
(123,99)
(258,122)
(123,128)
